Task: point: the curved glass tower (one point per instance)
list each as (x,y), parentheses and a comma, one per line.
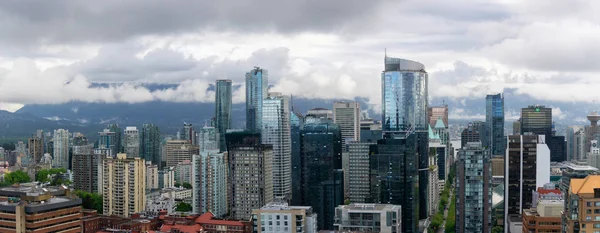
(257,83)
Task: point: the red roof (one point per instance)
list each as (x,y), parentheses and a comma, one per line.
(182,228)
(208,218)
(542,191)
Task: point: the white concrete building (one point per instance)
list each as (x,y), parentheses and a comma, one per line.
(383,218)
(278,217)
(347,115)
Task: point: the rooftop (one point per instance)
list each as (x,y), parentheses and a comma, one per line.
(577,166)
(361,207)
(585,185)
(209,218)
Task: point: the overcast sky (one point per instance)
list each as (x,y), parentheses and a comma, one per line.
(50,51)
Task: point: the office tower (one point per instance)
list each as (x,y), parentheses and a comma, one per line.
(473,133)
(33,209)
(321,177)
(79,140)
(581,203)
(591,131)
(257,84)
(131,142)
(318,113)
(108,140)
(517,127)
(35,147)
(296,124)
(279,217)
(150,143)
(118,141)
(494,118)
(61,149)
(223,110)
(537,119)
(497,166)
(346,115)
(357,172)
(209,183)
(368,218)
(370,130)
(209,138)
(124,183)
(527,166)
(437,112)
(276,131)
(177,151)
(576,142)
(152,177)
(183,172)
(188,133)
(250,173)
(474,191)
(394,175)
(85,168)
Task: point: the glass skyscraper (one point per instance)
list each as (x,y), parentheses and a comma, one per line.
(150,143)
(257,84)
(223,110)
(296,124)
(321,160)
(494,118)
(474,193)
(276,132)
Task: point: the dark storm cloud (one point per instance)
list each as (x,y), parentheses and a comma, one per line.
(64,21)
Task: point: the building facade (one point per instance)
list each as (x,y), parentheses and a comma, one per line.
(178,151)
(85,168)
(358,171)
(581,204)
(131,141)
(35,147)
(209,183)
(209,138)
(152,176)
(368,218)
(494,118)
(278,217)
(474,190)
(150,144)
(437,112)
(257,84)
(124,185)
(276,131)
(223,110)
(61,149)
(347,116)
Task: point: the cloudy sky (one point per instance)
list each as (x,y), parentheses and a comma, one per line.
(51,51)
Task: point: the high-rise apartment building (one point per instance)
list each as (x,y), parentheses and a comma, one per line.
(581,205)
(527,166)
(183,172)
(61,149)
(124,185)
(150,143)
(359,217)
(35,147)
(404,101)
(250,173)
(474,132)
(131,142)
(276,131)
(437,112)
(347,116)
(107,139)
(257,84)
(209,138)
(494,118)
(223,110)
(152,177)
(474,191)
(576,142)
(357,172)
(85,168)
(188,133)
(209,183)
(118,140)
(321,175)
(279,217)
(177,151)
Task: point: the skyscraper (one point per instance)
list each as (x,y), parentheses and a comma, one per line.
(537,119)
(209,138)
(257,84)
(150,144)
(61,149)
(527,166)
(223,110)
(107,139)
(85,168)
(124,185)
(276,132)
(296,125)
(404,101)
(188,133)
(494,118)
(118,141)
(321,159)
(35,147)
(474,191)
(177,151)
(209,183)
(131,142)
(347,116)
(357,173)
(250,173)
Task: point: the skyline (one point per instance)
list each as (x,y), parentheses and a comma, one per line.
(468,56)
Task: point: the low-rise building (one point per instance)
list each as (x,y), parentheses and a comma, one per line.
(368,218)
(278,217)
(210,224)
(582,201)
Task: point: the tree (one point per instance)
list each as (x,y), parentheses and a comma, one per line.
(436,221)
(16,177)
(183,207)
(187,185)
(177,184)
(52,176)
(90,200)
(497,229)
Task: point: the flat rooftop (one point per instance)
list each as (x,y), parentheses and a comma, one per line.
(31,189)
(359,207)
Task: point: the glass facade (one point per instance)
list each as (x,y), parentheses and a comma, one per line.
(404,95)
(276,131)
(521,177)
(223,110)
(494,117)
(257,83)
(473,199)
(150,143)
(296,124)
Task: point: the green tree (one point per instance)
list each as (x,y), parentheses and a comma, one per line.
(497,229)
(177,184)
(451,219)
(436,221)
(183,207)
(16,177)
(187,185)
(90,200)
(52,175)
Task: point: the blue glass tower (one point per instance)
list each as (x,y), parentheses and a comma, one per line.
(296,125)
(257,83)
(223,110)
(150,143)
(494,119)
